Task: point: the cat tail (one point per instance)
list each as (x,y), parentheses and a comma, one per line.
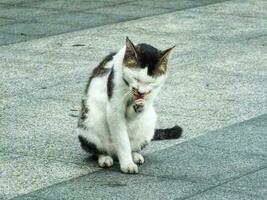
(168,133)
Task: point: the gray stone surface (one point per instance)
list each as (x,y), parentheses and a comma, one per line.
(217,78)
(185,171)
(253,134)
(26,20)
(20,173)
(250,187)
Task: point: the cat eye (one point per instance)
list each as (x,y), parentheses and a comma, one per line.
(139,81)
(134,90)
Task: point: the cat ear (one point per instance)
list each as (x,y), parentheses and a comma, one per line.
(164,55)
(130,57)
(130,48)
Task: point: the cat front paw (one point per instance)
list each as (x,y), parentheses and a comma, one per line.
(138,158)
(129,168)
(138,108)
(105,161)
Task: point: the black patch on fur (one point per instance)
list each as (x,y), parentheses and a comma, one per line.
(110,83)
(83,114)
(149,57)
(88,146)
(100,70)
(126,82)
(84,110)
(168,133)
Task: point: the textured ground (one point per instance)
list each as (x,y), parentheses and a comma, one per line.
(217,77)
(236,168)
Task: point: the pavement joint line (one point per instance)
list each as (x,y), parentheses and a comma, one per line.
(155,176)
(116,170)
(94,172)
(47,187)
(122,21)
(122,3)
(224,182)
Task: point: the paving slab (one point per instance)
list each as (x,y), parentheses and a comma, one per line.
(217,78)
(22,14)
(253,134)
(185,171)
(21,174)
(74,5)
(250,187)
(37,19)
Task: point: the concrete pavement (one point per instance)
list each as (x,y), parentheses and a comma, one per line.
(217,78)
(22,20)
(230,163)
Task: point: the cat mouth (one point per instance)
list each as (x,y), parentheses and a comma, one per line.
(139,96)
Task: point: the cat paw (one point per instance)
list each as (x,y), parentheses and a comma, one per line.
(130,168)
(138,158)
(138,108)
(105,161)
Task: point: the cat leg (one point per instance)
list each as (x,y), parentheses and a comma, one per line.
(138,158)
(105,160)
(120,138)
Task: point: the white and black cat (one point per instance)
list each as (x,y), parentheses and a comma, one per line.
(117,117)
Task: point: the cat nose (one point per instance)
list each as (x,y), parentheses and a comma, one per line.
(141,93)
(137,92)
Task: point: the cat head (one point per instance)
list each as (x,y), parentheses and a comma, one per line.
(144,67)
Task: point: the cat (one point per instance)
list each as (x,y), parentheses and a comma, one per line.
(117,118)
